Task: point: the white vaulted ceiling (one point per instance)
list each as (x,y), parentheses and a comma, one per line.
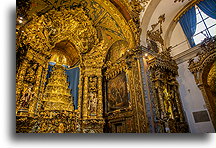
(154,9)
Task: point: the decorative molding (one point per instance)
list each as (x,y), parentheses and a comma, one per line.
(187,54)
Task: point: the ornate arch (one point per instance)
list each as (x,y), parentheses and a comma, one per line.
(42,36)
(44,32)
(116,50)
(201,70)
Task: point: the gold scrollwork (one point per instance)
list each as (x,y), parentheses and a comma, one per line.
(201,69)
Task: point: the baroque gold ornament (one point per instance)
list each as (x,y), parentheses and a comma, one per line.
(203,71)
(103,42)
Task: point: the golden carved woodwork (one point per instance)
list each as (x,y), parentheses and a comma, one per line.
(93,8)
(57,94)
(56,26)
(135,7)
(203,70)
(68,50)
(165,99)
(117,50)
(42,33)
(95,35)
(124,75)
(91,64)
(155,34)
(57,114)
(211,78)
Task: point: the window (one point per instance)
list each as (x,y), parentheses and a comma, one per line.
(205,26)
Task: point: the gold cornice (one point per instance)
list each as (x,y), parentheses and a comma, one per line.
(185,9)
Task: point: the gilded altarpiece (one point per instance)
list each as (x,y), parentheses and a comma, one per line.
(127,113)
(167,115)
(162,98)
(203,69)
(42,35)
(49,28)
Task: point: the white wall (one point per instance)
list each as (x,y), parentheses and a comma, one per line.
(192,100)
(178,38)
(191,96)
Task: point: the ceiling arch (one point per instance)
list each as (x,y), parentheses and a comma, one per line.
(146,19)
(109,17)
(154,10)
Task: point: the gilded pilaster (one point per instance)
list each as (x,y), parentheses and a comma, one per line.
(179,104)
(100,99)
(135,102)
(80,86)
(32,108)
(43,81)
(211,110)
(19,79)
(141,111)
(85,99)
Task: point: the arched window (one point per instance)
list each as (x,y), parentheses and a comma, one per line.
(205,26)
(199,22)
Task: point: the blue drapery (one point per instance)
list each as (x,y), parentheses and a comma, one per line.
(73,79)
(208,7)
(49,71)
(188,24)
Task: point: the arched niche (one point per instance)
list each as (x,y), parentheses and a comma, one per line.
(116,86)
(66,49)
(117,50)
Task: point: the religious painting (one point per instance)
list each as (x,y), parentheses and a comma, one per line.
(117,95)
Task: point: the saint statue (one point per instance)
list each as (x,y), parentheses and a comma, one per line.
(92,103)
(167,102)
(27,97)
